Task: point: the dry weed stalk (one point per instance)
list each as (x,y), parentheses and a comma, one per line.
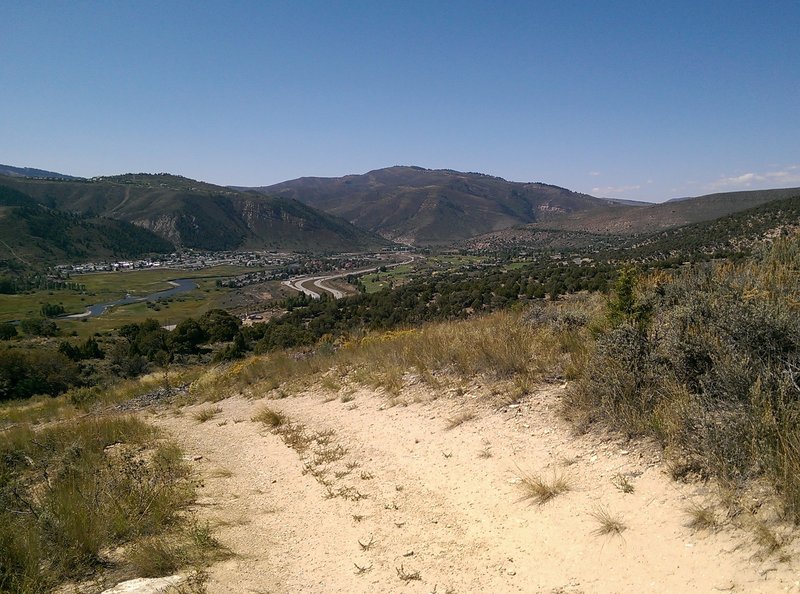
(407,576)
(460,418)
(365,546)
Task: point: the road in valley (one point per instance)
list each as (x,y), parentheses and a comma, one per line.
(302,283)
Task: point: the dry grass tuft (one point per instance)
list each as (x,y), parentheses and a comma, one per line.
(330,383)
(221,473)
(270,417)
(701,517)
(540,490)
(459,419)
(767,539)
(609,523)
(206,414)
(156,557)
(365,546)
(165,555)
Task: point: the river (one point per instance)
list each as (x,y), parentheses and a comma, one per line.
(180,285)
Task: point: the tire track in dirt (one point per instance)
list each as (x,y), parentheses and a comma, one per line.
(447,504)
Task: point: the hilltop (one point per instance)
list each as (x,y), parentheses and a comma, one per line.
(33,234)
(648,218)
(32,172)
(439,207)
(434,206)
(193,214)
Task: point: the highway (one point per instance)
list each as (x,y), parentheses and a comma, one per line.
(302,283)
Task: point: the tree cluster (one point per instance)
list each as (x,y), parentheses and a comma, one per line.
(448,296)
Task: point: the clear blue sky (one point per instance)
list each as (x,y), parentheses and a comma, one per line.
(642,99)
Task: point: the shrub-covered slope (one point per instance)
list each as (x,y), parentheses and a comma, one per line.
(194,214)
(33,234)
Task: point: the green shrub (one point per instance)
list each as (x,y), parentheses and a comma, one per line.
(39,327)
(69,491)
(712,369)
(7,331)
(51,310)
(25,373)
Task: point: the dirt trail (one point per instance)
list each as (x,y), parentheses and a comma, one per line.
(446,503)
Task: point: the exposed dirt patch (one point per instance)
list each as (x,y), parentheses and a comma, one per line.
(447,505)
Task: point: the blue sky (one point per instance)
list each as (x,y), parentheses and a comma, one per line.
(644,100)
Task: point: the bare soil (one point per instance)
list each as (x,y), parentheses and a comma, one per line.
(417,502)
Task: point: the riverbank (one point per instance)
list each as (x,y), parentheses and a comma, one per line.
(181,285)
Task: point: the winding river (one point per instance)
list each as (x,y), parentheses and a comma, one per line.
(180,285)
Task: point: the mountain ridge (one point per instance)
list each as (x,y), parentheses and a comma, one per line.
(194,214)
(33,233)
(405,204)
(32,172)
(651,218)
(412,204)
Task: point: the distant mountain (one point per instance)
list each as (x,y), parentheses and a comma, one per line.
(649,218)
(32,234)
(434,207)
(714,236)
(364,212)
(731,233)
(31,172)
(194,214)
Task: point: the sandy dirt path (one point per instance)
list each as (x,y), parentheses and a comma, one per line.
(410,495)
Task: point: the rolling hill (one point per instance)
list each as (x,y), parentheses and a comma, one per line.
(434,207)
(651,218)
(731,233)
(363,212)
(32,172)
(32,234)
(439,207)
(194,214)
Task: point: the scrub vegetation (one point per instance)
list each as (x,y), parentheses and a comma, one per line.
(704,359)
(73,492)
(708,362)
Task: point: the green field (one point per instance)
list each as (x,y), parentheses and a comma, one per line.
(144,282)
(110,286)
(377,281)
(168,311)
